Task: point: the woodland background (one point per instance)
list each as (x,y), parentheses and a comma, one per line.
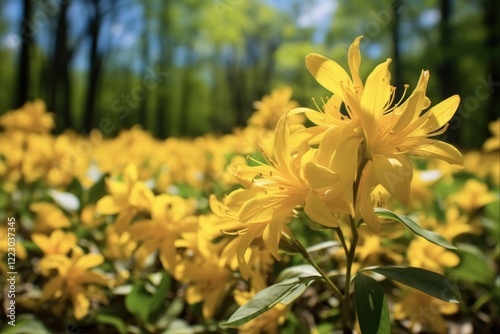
(184,68)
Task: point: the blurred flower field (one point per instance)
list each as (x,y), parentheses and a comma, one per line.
(138,235)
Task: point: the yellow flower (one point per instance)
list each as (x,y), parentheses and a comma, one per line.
(170,216)
(119,246)
(71,281)
(426,255)
(473,196)
(372,253)
(424,312)
(127,198)
(281,187)
(89,218)
(207,278)
(58,242)
(493,143)
(272,107)
(238,253)
(48,217)
(31,117)
(454,225)
(389,131)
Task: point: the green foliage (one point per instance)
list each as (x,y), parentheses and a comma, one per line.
(143,304)
(284,292)
(371,306)
(431,236)
(424,280)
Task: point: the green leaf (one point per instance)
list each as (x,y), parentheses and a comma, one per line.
(98,190)
(158,299)
(302,270)
(114,321)
(75,187)
(137,301)
(142,304)
(371,306)
(431,236)
(266,299)
(426,281)
(25,323)
(493,209)
(323,245)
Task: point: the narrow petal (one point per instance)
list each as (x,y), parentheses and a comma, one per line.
(440,114)
(256,210)
(319,176)
(439,150)
(345,159)
(328,73)
(141,196)
(50,288)
(354,59)
(317,210)
(89,261)
(92,278)
(243,245)
(394,173)
(413,106)
(42,241)
(80,305)
(108,205)
(375,97)
(272,234)
(281,144)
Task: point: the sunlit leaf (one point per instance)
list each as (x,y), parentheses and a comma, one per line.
(266,299)
(431,236)
(302,270)
(426,281)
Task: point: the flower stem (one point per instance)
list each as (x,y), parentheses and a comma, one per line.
(351,253)
(347,289)
(309,260)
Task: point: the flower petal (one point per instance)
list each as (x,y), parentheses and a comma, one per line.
(328,73)
(88,261)
(394,173)
(354,59)
(439,150)
(272,233)
(441,113)
(317,210)
(108,205)
(319,176)
(256,210)
(376,95)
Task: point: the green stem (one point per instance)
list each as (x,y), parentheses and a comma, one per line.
(351,253)
(342,239)
(309,260)
(347,289)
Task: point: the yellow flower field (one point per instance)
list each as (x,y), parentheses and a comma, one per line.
(282,226)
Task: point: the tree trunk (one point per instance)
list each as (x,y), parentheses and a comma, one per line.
(60,95)
(95,67)
(492,18)
(447,68)
(28,33)
(395,34)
